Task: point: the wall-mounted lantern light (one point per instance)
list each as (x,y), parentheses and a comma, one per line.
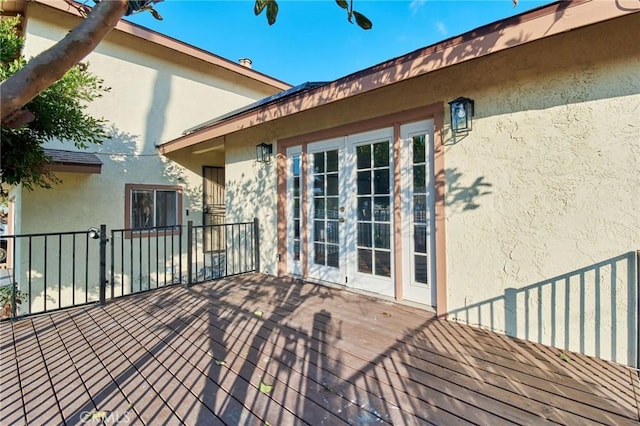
(263,152)
(462,111)
(94,233)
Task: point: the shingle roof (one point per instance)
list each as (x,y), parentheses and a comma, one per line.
(58,156)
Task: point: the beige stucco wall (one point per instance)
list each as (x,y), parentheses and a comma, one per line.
(156,94)
(541,197)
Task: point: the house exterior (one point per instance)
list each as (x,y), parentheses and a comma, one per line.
(159,88)
(527,224)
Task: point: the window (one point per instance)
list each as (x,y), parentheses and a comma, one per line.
(152,206)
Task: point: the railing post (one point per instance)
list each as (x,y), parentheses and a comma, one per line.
(256,244)
(103,264)
(189,252)
(14,308)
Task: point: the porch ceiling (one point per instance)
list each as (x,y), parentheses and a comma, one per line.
(256,349)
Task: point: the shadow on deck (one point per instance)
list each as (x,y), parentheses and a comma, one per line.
(255,349)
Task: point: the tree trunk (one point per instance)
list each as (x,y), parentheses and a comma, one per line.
(50,65)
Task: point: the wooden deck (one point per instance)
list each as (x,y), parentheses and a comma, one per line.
(260,350)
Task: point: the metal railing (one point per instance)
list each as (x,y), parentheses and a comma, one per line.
(53,271)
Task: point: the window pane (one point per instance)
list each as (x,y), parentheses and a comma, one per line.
(296,250)
(332,161)
(332,184)
(166,208)
(381,181)
(296,208)
(318,162)
(364,183)
(364,234)
(365,261)
(382,235)
(296,228)
(296,165)
(364,156)
(418,149)
(381,154)
(141,209)
(296,186)
(420,268)
(383,263)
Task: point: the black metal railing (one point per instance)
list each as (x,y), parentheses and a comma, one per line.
(53,271)
(49,271)
(221,250)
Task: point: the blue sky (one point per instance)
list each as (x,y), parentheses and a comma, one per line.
(312,40)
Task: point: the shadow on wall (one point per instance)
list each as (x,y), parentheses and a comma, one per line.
(592,310)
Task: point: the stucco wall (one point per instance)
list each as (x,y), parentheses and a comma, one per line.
(155,95)
(541,197)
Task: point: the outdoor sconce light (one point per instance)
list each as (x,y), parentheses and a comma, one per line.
(263,152)
(461,112)
(94,233)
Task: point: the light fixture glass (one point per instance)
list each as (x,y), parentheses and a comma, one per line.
(462,111)
(263,152)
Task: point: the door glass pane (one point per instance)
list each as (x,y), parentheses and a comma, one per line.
(364,182)
(364,208)
(332,161)
(319,257)
(364,234)
(419,149)
(296,208)
(381,181)
(332,208)
(383,263)
(365,261)
(332,184)
(420,269)
(333,232)
(318,185)
(141,208)
(333,255)
(382,235)
(318,208)
(296,187)
(381,209)
(381,154)
(420,238)
(318,162)
(363,153)
(318,230)
(420,179)
(296,250)
(296,229)
(420,208)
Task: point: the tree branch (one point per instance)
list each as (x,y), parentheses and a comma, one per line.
(50,65)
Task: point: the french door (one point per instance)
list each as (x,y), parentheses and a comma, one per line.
(350,197)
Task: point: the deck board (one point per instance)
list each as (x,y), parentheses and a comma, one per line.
(199,355)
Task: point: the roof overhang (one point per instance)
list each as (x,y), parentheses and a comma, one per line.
(73,161)
(528,27)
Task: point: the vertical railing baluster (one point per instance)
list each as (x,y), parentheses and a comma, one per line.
(73,269)
(103,264)
(86,268)
(180,256)
(140,259)
(59,270)
(189,252)
(173,254)
(30,267)
(122,235)
(131,264)
(44,273)
(164,255)
(157,260)
(112,250)
(149,259)
(256,239)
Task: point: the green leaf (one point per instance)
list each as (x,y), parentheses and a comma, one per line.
(362,21)
(258,313)
(259,6)
(265,388)
(98,415)
(272,12)
(220,362)
(342,3)
(564,357)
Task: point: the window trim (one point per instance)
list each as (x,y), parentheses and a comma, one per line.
(129,188)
